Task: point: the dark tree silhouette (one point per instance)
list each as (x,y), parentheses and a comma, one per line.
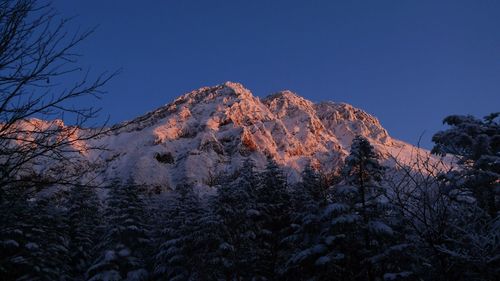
(39,73)
(476,143)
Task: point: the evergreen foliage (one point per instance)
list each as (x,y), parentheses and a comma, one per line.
(358,232)
(477,145)
(126,242)
(33,241)
(181,248)
(236,209)
(84,219)
(308,201)
(273,205)
(256,226)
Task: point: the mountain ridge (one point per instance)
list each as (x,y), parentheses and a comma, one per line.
(211,130)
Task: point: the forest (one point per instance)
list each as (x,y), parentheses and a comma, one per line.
(358,223)
(433,219)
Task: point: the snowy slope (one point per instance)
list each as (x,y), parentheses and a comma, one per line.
(210,131)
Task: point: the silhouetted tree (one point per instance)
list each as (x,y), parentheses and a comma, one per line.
(126,244)
(84,219)
(235,206)
(37,58)
(476,143)
(273,205)
(359,213)
(178,252)
(303,238)
(33,241)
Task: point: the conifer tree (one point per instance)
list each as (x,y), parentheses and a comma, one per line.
(357,215)
(308,200)
(183,243)
(457,231)
(33,241)
(235,207)
(84,219)
(126,243)
(476,143)
(273,205)
(363,171)
(249,182)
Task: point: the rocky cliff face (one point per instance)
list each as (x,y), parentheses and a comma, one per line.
(211,130)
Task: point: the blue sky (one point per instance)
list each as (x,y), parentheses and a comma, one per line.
(409,63)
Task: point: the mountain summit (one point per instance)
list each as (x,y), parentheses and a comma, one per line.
(211,130)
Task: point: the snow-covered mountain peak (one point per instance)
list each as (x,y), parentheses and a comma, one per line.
(227,91)
(287,103)
(237,89)
(210,131)
(286,95)
(346,121)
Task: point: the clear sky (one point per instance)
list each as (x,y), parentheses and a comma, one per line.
(409,63)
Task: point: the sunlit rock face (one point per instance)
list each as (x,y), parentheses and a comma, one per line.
(211,130)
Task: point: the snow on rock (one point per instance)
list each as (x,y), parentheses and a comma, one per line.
(211,130)
(346,121)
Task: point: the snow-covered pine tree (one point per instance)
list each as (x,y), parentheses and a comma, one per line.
(165,230)
(395,254)
(313,183)
(359,215)
(125,245)
(235,207)
(208,256)
(249,182)
(339,251)
(84,219)
(362,169)
(303,238)
(179,256)
(14,213)
(33,241)
(273,205)
(477,145)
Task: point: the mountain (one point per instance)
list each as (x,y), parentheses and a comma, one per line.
(209,132)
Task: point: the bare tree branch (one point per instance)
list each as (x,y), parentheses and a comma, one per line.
(38,66)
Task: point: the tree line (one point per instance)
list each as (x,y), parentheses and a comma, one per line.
(365,223)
